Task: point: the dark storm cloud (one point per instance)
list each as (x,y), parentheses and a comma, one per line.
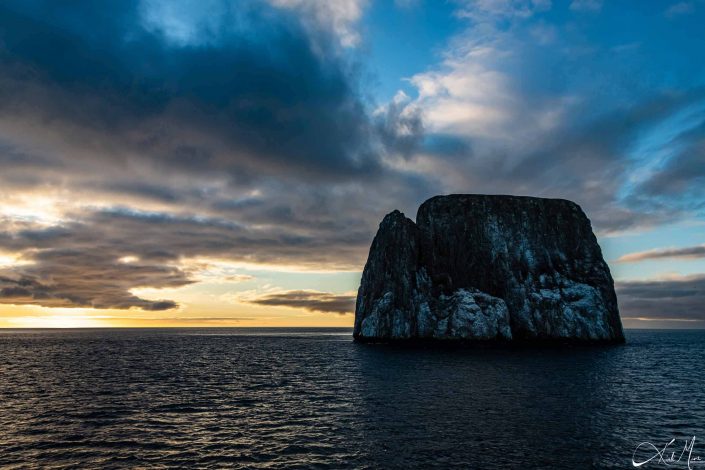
(682,299)
(309,300)
(689,252)
(252,97)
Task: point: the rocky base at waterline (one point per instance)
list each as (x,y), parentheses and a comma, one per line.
(480,268)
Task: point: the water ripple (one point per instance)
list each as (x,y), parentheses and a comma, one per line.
(313,399)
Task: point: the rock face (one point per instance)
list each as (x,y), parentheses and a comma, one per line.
(478,267)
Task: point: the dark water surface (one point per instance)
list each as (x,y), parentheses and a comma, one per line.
(311,398)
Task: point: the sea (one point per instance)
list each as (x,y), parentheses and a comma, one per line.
(312,398)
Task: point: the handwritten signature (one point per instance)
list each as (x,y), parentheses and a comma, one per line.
(666,455)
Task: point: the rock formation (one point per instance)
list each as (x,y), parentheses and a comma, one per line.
(479,267)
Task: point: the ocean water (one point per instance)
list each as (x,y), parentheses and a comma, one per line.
(288,398)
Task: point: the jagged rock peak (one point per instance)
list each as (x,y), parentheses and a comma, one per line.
(483,267)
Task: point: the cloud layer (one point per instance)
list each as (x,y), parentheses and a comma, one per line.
(309,300)
(690,252)
(163,132)
(681,299)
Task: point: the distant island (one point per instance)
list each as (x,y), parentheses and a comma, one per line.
(487,268)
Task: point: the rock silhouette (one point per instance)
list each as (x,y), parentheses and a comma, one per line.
(481,268)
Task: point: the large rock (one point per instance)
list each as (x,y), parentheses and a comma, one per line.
(478,267)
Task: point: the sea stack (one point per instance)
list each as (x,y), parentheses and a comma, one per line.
(477,268)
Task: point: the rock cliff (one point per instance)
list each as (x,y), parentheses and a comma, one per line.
(479,267)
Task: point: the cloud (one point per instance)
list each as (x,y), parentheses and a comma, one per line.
(69,287)
(586,5)
(98,261)
(690,252)
(481,11)
(400,126)
(680,299)
(337,16)
(308,300)
(678,9)
(544,34)
(467,97)
(254,99)
(238,278)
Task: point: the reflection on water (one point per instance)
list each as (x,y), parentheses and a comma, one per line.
(282,398)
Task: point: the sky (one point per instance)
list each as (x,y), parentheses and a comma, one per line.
(227,163)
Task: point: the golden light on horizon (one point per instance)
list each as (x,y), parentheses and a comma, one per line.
(31,316)
(223,294)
